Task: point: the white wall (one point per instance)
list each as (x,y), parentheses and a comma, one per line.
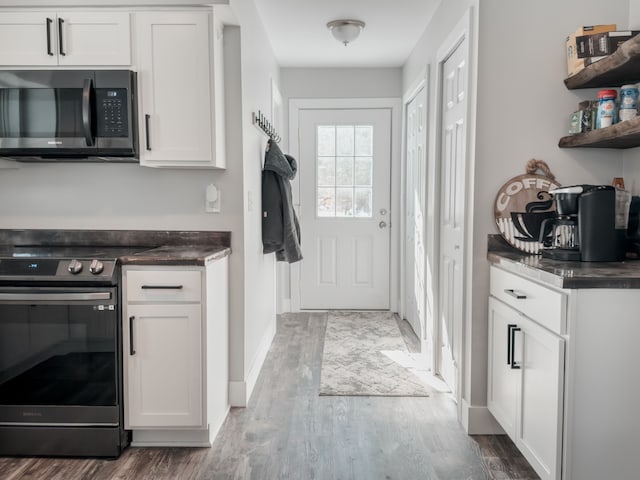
(521,111)
(341,82)
(258,68)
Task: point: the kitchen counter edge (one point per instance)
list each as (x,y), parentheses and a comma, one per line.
(569,275)
(177,256)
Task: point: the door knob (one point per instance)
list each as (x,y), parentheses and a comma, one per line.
(383,211)
(382,224)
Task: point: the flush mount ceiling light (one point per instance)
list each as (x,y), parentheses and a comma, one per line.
(345,31)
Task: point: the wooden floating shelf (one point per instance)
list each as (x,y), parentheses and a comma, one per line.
(619,68)
(621,135)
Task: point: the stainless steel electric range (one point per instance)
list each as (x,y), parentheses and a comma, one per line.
(60,351)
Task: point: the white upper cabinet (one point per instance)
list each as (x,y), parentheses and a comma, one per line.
(65,38)
(179,64)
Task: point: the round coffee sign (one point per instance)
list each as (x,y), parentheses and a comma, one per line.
(522,205)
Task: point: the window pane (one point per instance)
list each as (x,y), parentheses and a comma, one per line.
(326,171)
(364,141)
(345,140)
(344,171)
(344,202)
(326,141)
(326,202)
(363,202)
(364,171)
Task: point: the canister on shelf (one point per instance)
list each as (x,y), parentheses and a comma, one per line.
(628,102)
(607,108)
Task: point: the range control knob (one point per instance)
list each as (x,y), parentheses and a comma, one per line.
(96,267)
(75,267)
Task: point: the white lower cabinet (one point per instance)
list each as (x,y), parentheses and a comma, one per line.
(562,366)
(526,368)
(164,366)
(175,351)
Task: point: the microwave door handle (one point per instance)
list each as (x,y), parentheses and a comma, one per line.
(86,111)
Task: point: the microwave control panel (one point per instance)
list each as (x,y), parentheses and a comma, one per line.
(112,112)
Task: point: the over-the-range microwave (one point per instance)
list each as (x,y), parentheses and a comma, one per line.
(68,115)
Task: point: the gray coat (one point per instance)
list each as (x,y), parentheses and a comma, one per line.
(280,229)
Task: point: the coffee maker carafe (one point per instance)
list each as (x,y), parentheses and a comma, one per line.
(587,226)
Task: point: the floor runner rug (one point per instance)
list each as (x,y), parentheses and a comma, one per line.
(365,354)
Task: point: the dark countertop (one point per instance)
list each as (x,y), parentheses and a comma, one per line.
(133,247)
(177,255)
(571,275)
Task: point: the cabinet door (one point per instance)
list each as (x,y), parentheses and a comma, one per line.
(90,38)
(540,354)
(173,59)
(502,379)
(28,39)
(163,362)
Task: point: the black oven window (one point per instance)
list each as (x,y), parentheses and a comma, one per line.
(57,355)
(41,113)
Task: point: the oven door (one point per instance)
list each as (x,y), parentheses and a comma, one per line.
(59,356)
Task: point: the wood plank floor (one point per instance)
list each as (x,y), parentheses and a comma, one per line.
(288,431)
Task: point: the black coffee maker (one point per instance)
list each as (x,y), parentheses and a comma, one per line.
(589,226)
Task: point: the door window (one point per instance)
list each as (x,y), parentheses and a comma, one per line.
(344,177)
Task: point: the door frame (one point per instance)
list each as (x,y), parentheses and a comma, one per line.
(461,31)
(395,106)
(421,82)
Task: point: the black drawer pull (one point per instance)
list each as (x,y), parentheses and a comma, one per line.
(162,287)
(515,294)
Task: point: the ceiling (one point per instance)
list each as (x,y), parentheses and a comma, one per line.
(300,38)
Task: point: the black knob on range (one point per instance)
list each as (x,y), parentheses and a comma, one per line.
(75,266)
(96,267)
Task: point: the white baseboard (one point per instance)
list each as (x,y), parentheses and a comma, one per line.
(171,438)
(477,420)
(240,392)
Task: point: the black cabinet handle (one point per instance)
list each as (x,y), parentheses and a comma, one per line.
(509,327)
(147,117)
(515,329)
(60,49)
(511,292)
(132,350)
(49,51)
(162,287)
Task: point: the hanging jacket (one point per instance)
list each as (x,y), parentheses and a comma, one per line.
(280,228)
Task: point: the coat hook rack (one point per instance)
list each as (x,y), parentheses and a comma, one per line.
(260,121)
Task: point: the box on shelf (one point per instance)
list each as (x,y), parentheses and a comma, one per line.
(584,119)
(600,44)
(574,63)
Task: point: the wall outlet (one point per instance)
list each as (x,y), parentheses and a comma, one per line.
(212,200)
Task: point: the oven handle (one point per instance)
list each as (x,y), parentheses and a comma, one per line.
(56,296)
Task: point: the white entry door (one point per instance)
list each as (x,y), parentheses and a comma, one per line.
(452,209)
(344,170)
(414,234)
